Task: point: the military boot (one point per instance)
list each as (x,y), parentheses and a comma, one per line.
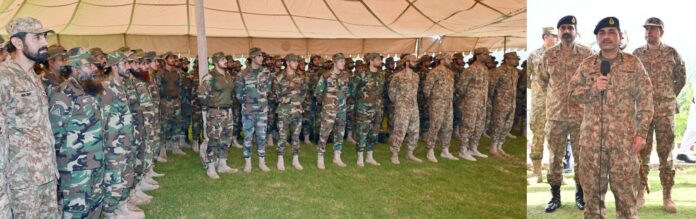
(371,158)
(667,180)
(555,202)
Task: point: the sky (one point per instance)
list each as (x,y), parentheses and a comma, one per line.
(631,14)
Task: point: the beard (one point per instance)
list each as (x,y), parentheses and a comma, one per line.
(124,73)
(92,87)
(566,37)
(37,56)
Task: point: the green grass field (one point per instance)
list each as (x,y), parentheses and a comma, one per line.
(682,194)
(488,188)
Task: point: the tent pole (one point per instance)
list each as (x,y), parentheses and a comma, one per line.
(202,43)
(417,45)
(504,44)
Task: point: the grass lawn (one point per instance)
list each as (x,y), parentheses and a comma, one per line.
(682,193)
(488,188)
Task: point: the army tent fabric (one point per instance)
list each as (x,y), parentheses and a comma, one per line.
(281,26)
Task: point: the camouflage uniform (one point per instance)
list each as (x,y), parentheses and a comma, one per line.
(668,76)
(473,92)
(503,105)
(422,105)
(251,89)
(439,91)
(215,96)
(145,152)
(118,138)
(368,90)
(403,89)
(457,113)
(77,128)
(191,109)
(290,93)
(31,160)
(129,174)
(563,116)
(157,120)
(331,93)
(311,113)
(171,96)
(537,122)
(625,110)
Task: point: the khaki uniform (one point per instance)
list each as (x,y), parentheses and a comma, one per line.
(403,91)
(625,110)
(563,116)
(438,92)
(537,119)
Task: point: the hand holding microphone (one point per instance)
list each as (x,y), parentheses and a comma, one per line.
(603,81)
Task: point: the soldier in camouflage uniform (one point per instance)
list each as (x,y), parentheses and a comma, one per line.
(537,120)
(170,81)
(618,109)
(77,129)
(668,76)
(215,96)
(30,167)
(118,138)
(153,67)
(390,69)
(251,88)
(368,91)
(191,109)
(423,70)
(233,68)
(505,89)
(438,91)
(473,93)
(332,92)
(350,103)
(403,89)
(564,117)
(289,89)
(457,68)
(311,114)
(275,65)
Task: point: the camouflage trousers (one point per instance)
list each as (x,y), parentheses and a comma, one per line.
(614,166)
(5,211)
(472,126)
(440,124)
(172,125)
(272,127)
(129,175)
(310,122)
(219,129)
(194,117)
(289,124)
(406,124)
(663,128)
(537,122)
(139,151)
(457,114)
(35,201)
(254,124)
(114,167)
(80,193)
(502,117)
(489,111)
(558,132)
(369,124)
(331,122)
(156,132)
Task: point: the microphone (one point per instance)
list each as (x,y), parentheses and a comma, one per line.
(605,68)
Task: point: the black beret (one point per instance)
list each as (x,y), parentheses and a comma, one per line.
(607,22)
(569,19)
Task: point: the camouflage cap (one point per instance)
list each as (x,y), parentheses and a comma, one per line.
(511,55)
(216,57)
(458,55)
(96,51)
(549,30)
(337,56)
(481,50)
(315,56)
(292,57)
(167,54)
(26,25)
(123,49)
(81,58)
(277,57)
(56,50)
(115,57)
(370,56)
(229,57)
(654,22)
(151,55)
(255,51)
(136,55)
(77,51)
